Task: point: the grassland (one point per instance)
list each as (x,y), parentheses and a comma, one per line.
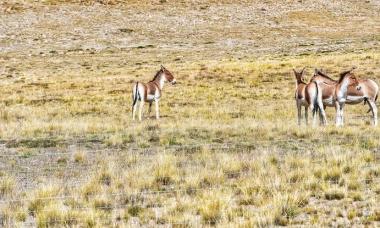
(227,150)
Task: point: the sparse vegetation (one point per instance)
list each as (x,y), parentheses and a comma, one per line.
(80,156)
(7,185)
(227,150)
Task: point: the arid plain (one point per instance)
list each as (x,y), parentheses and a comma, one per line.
(227,150)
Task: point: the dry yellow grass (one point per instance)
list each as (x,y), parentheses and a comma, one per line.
(227,151)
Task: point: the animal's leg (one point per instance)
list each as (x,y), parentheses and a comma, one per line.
(374,114)
(299,112)
(306,115)
(134,101)
(141,110)
(157,110)
(373,107)
(134,107)
(337,116)
(150,108)
(322,113)
(323,117)
(320,117)
(314,114)
(341,114)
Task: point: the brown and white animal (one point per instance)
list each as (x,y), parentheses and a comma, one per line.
(150,92)
(368,92)
(300,96)
(335,94)
(307,96)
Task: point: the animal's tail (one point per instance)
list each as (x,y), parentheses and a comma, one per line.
(366,102)
(316,103)
(135,95)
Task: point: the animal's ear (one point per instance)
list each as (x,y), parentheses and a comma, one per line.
(295,71)
(162,67)
(303,70)
(315,71)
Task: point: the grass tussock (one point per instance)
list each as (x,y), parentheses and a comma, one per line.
(227,150)
(212,207)
(7,185)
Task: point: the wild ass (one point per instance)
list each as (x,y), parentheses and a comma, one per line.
(335,94)
(368,92)
(300,96)
(151,91)
(306,95)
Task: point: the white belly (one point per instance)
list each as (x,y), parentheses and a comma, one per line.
(354,99)
(329,101)
(151,97)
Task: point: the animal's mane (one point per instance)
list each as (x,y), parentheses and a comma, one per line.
(341,75)
(324,75)
(344,73)
(157,74)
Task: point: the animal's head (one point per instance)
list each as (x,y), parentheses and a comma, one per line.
(167,75)
(350,76)
(300,75)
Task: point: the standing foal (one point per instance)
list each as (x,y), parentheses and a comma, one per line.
(151,91)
